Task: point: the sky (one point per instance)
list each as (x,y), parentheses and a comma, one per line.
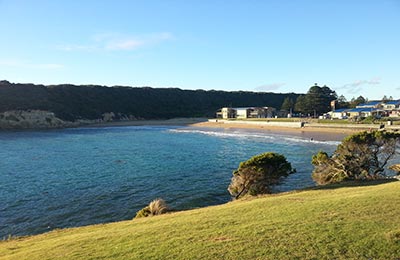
(282,46)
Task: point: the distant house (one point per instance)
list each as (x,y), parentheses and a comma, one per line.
(226,112)
(246,112)
(392,108)
(392,105)
(242,112)
(338,114)
(262,112)
(362,112)
(371,108)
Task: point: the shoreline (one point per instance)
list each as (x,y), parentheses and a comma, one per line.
(309,132)
(312,131)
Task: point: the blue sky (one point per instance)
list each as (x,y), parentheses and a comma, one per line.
(276,46)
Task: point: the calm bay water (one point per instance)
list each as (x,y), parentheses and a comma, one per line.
(74,177)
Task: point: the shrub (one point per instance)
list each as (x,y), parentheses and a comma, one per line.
(326,169)
(144,212)
(256,175)
(156,207)
(363,155)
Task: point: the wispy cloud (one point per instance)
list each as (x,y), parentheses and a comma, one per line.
(358,85)
(269,87)
(118,42)
(30,65)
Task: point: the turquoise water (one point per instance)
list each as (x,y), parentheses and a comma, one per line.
(74,177)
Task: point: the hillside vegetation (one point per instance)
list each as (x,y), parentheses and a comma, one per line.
(343,221)
(71,102)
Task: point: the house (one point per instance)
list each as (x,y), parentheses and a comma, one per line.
(362,112)
(391,105)
(246,112)
(338,113)
(242,112)
(262,112)
(372,108)
(392,108)
(226,112)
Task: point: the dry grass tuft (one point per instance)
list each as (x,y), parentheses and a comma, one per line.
(158,207)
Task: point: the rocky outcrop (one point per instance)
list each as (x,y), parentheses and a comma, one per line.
(108,117)
(40,119)
(35,119)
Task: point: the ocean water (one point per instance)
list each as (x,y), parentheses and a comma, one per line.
(74,177)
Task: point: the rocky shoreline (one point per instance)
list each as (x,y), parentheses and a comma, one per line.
(40,119)
(30,119)
(37,119)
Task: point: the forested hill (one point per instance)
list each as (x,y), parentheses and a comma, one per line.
(71,102)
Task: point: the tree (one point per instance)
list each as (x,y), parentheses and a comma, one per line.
(301,104)
(342,102)
(72,102)
(319,99)
(357,101)
(316,101)
(287,104)
(256,175)
(362,155)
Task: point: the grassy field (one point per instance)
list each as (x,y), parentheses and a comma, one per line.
(345,221)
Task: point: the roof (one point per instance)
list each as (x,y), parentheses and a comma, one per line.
(370,103)
(362,109)
(393,102)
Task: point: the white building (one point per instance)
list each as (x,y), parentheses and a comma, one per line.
(246,112)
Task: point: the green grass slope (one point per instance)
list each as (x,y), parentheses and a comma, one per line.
(339,222)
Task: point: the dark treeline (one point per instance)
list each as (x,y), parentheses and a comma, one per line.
(71,102)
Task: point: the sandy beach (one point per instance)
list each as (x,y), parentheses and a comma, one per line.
(321,134)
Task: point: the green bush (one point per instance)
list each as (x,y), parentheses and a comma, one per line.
(363,155)
(256,175)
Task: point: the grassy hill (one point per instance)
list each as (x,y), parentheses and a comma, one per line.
(337,222)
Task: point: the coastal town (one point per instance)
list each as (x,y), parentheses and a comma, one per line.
(376,109)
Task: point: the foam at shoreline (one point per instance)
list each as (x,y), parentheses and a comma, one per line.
(270,136)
